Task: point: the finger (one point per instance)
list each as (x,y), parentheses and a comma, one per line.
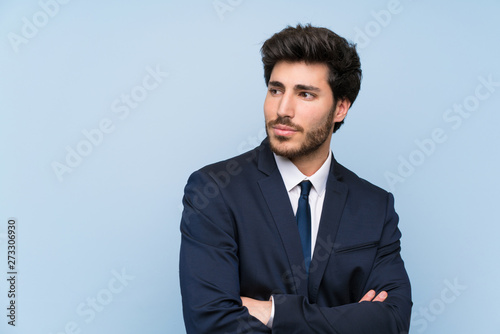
(380,297)
(368,296)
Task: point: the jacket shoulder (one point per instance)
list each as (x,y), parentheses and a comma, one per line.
(232,171)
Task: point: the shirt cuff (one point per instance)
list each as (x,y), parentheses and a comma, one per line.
(271,318)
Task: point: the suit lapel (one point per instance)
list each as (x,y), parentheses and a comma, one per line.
(276,196)
(333,206)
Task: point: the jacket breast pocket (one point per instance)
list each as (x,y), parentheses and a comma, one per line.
(340,249)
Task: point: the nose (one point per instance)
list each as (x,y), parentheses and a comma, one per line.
(286,106)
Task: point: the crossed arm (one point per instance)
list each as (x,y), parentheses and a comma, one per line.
(261,309)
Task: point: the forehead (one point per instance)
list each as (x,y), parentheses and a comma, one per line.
(293,73)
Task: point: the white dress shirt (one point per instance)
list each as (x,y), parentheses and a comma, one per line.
(292,177)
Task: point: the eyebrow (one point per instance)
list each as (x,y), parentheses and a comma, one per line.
(306,87)
(296,87)
(276,84)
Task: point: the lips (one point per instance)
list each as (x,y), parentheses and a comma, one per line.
(283,130)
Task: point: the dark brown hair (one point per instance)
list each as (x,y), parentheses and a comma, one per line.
(317,45)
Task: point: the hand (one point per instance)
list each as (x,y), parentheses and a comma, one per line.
(369,297)
(258,308)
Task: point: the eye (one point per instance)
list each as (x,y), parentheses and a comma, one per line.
(307,95)
(274,91)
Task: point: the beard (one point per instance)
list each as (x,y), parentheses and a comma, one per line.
(313,140)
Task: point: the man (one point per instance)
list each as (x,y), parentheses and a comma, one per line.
(284,239)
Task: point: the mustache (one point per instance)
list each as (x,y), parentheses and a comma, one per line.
(285,121)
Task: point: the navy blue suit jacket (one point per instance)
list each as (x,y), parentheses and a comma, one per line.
(240,238)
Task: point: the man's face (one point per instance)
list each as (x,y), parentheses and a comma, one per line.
(299,109)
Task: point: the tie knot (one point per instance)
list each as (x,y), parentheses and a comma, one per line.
(305,188)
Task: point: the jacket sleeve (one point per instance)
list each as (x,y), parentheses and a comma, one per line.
(209,269)
(294,314)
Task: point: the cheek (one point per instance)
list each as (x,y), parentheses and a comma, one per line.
(316,118)
(268,108)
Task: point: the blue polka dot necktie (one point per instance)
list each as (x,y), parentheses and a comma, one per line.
(304,222)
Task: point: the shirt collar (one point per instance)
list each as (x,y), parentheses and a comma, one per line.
(292,176)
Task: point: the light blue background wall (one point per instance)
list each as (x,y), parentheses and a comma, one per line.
(117,212)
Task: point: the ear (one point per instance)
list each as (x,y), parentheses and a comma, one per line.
(341,110)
